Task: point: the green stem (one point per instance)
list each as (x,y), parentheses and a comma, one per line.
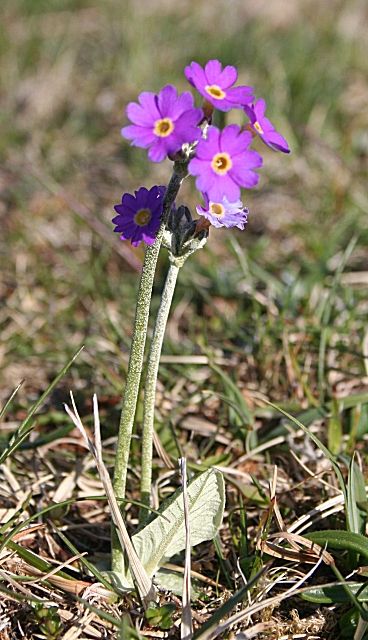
(150,386)
(137,353)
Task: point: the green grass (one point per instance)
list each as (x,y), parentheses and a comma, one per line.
(280,308)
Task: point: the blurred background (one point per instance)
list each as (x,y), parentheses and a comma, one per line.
(258,300)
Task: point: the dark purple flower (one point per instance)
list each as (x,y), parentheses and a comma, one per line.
(215,84)
(163,122)
(224,213)
(264,128)
(139,215)
(224,164)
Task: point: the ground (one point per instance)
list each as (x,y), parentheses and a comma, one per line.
(276,313)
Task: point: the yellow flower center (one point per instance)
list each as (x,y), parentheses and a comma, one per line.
(217,209)
(258,127)
(221,163)
(215,91)
(142,217)
(163,127)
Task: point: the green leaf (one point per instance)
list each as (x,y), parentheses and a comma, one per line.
(164,536)
(160,617)
(353,400)
(358,423)
(336,594)
(340,539)
(334,429)
(355,494)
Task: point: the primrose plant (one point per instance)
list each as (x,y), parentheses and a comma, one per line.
(170,126)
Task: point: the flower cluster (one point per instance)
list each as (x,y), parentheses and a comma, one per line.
(168,124)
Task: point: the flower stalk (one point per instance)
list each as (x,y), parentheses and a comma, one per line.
(182,240)
(136,356)
(150,386)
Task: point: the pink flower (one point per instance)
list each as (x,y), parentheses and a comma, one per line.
(163,122)
(264,128)
(223,163)
(224,213)
(215,84)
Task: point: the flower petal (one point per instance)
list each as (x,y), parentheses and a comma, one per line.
(227,77)
(240,96)
(185,102)
(129,201)
(148,101)
(266,125)
(186,125)
(166,100)
(224,187)
(140,136)
(276,142)
(260,108)
(249,111)
(138,115)
(229,140)
(157,151)
(213,71)
(244,174)
(195,75)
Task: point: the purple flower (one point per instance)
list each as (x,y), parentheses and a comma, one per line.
(223,163)
(224,213)
(139,215)
(163,122)
(214,84)
(264,128)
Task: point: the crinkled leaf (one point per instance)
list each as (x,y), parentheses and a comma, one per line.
(164,536)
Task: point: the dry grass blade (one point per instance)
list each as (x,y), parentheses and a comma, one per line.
(327,508)
(51,573)
(186,629)
(68,585)
(4,409)
(144,584)
(311,555)
(76,587)
(161,452)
